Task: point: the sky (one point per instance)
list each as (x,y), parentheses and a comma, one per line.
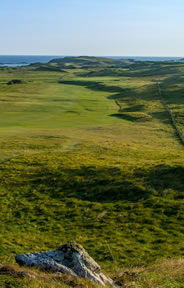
(92,27)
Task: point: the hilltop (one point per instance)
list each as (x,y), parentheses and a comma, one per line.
(89,62)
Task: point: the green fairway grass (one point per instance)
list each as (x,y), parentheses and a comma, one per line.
(90,154)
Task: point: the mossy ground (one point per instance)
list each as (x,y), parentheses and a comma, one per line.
(69,170)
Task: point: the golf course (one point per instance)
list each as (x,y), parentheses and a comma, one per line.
(91,150)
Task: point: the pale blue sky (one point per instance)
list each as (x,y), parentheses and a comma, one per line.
(92,27)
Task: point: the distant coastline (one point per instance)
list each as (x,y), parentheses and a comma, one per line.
(22,60)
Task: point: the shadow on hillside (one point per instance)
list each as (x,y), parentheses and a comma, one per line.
(165,180)
(89,184)
(173,80)
(138,69)
(135,108)
(163,116)
(94,85)
(172,91)
(128,95)
(110,184)
(127,117)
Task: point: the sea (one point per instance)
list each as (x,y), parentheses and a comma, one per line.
(22,60)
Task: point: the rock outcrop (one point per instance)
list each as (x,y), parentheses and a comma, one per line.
(70,258)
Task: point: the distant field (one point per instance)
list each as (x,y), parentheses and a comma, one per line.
(90,154)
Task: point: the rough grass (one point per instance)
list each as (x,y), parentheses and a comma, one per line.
(13,276)
(167,273)
(71,171)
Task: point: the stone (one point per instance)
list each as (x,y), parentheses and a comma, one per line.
(70,258)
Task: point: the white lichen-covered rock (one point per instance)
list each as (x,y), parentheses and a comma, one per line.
(69,258)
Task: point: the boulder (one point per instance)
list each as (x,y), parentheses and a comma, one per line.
(70,258)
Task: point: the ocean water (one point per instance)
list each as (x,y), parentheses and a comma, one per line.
(22,60)
(11,60)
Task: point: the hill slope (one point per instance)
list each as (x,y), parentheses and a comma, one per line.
(91,155)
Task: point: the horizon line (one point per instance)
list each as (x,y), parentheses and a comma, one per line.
(86,55)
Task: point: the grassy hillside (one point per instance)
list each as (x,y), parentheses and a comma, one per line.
(91,155)
(167,273)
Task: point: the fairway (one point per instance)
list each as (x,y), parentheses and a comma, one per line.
(63,104)
(91,155)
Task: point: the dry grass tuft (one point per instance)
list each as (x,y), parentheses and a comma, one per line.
(173,267)
(43,279)
(124,278)
(15,272)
